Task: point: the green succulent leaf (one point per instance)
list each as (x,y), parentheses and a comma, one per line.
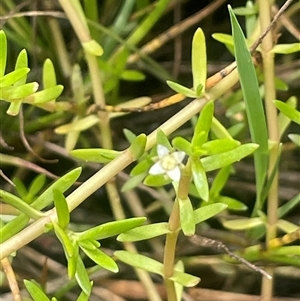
(62,210)
(220,145)
(295,138)
(91,244)
(181,89)
(35,291)
(12,77)
(185,279)
(99,155)
(101,258)
(14,108)
(286,251)
(157,180)
(140,261)
(199,62)
(203,213)
(49,76)
(145,232)
(22,62)
(62,184)
(187,221)
(19,204)
(288,206)
(72,261)
(200,179)
(130,136)
(232,203)
(225,39)
(141,167)
(111,228)
(182,144)
(3,52)
(288,111)
(15,93)
(47,95)
(83,297)
(134,181)
(162,139)
(243,223)
(132,75)
(226,158)
(283,120)
(137,148)
(64,239)
(220,181)
(92,47)
(37,184)
(203,123)
(286,226)
(82,277)
(286,48)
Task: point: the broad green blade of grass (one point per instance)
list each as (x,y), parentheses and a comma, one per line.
(254,107)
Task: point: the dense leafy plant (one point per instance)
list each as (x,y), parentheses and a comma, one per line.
(182,163)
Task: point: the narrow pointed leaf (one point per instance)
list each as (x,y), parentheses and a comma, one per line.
(254,107)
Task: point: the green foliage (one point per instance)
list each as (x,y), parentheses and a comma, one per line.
(13,87)
(254,108)
(107,55)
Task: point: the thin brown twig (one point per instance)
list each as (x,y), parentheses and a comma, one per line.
(274,20)
(53,13)
(25,142)
(287,23)
(11,277)
(175,30)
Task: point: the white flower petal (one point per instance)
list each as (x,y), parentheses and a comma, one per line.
(162,151)
(156,169)
(174,174)
(179,156)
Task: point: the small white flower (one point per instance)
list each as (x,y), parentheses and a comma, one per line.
(168,163)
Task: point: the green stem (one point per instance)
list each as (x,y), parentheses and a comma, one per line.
(174,227)
(271,113)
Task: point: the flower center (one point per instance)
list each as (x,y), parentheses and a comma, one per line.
(168,162)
